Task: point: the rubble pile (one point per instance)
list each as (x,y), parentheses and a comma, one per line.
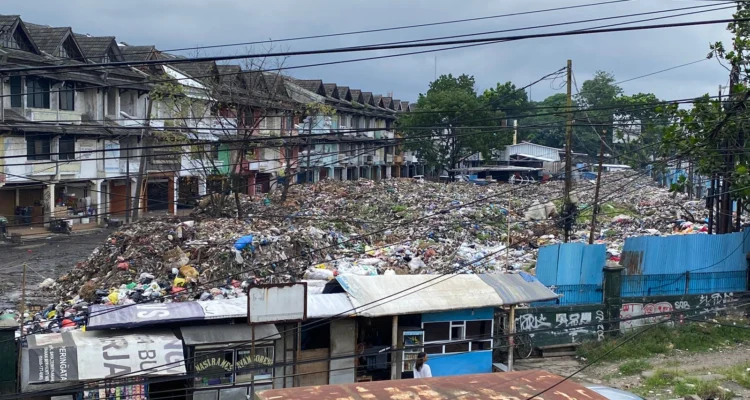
(360,227)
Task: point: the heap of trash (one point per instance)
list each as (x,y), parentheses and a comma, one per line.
(330,228)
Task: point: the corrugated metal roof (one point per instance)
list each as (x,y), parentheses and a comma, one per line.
(381,295)
(501,385)
(531,149)
(649,255)
(518,288)
(329,305)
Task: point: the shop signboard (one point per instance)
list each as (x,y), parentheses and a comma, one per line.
(79,356)
(286,302)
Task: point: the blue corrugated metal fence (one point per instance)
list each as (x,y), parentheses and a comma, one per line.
(574,294)
(687,283)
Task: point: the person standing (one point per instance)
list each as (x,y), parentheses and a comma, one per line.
(421,369)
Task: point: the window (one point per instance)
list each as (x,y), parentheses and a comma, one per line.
(68,96)
(436,331)
(231,366)
(38,147)
(16,91)
(37,93)
(109,56)
(457,336)
(67,50)
(14,40)
(256,368)
(289,122)
(67,148)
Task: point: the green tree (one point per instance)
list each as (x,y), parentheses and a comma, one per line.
(712,134)
(459,121)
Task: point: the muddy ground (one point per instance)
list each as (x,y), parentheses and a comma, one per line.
(702,366)
(48,256)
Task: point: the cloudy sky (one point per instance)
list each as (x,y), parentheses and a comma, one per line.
(171,24)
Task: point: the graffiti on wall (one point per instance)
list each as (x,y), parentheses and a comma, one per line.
(575,325)
(672,309)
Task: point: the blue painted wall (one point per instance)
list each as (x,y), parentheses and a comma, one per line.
(460,315)
(476,362)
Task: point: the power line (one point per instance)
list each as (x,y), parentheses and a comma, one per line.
(373,48)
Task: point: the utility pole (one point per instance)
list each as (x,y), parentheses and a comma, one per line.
(128,187)
(596,191)
(308,141)
(143,166)
(22,321)
(568,155)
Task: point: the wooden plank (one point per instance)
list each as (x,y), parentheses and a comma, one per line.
(314,373)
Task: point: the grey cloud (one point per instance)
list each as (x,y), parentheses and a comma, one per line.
(184,23)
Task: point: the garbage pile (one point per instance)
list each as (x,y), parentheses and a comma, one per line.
(360,227)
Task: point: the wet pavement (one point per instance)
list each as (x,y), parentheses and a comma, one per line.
(48,256)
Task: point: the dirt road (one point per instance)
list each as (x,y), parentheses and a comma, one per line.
(47,257)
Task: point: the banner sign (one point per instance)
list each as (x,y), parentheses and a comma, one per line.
(79,356)
(130,316)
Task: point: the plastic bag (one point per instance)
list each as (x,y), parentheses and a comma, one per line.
(243,242)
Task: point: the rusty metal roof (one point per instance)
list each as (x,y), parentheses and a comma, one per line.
(501,385)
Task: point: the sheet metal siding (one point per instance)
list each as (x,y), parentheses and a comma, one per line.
(684,283)
(571,264)
(514,289)
(329,305)
(534,150)
(681,253)
(505,385)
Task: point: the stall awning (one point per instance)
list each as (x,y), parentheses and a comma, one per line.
(384,295)
(81,356)
(213,334)
(329,305)
(131,316)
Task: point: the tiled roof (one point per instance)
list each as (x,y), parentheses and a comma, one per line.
(388,103)
(331,90)
(47,38)
(313,85)
(136,53)
(377,99)
(94,47)
(197,70)
(404,106)
(7,21)
(368,98)
(357,96)
(344,93)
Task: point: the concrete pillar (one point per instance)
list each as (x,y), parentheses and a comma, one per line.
(202,186)
(316,176)
(176,197)
(345,174)
(49,203)
(97,200)
(388,172)
(332,173)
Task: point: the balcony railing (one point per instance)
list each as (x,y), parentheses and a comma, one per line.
(398,159)
(389,158)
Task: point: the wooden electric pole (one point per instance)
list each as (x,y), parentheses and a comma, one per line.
(595,210)
(568,156)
